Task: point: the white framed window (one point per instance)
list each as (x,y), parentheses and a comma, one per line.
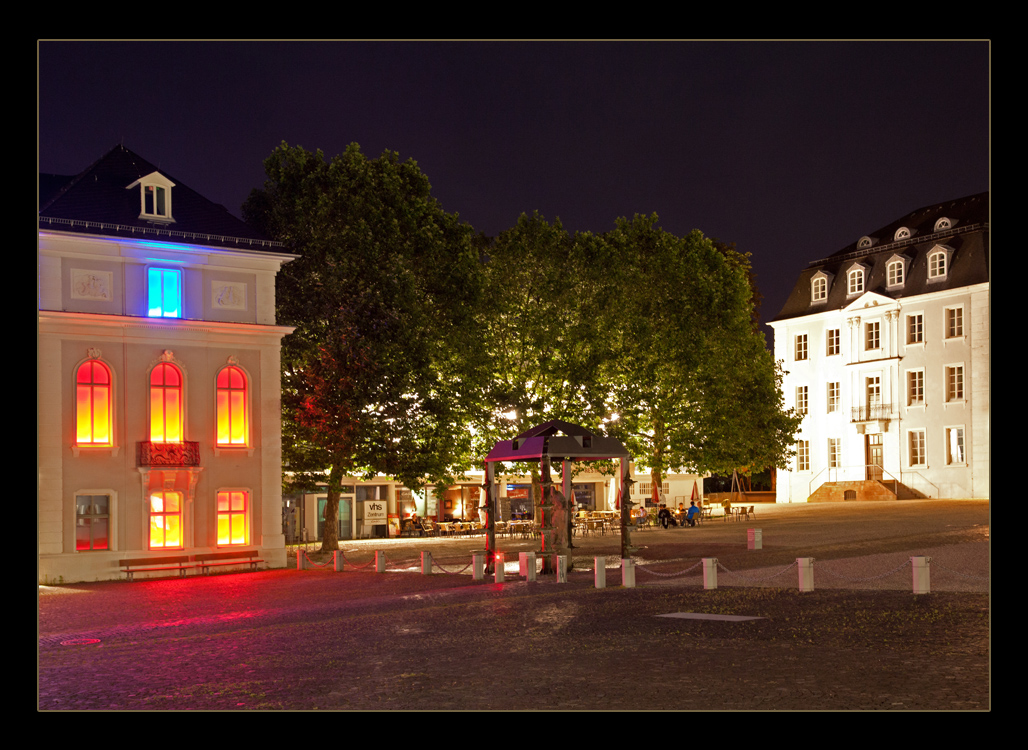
(938,262)
(92,522)
(903,233)
(154,197)
(818,288)
(942,224)
(954,322)
(801,399)
(800,351)
(834,453)
(895,274)
(855,281)
(955,446)
(803,455)
(954,383)
(873,335)
(833,397)
(832,346)
(916,454)
(915,387)
(915,328)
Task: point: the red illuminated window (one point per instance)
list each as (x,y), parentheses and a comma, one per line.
(93,404)
(232,510)
(166,404)
(232,419)
(165,519)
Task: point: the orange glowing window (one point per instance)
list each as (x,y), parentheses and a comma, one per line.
(165,519)
(93,404)
(232,428)
(232,526)
(166,404)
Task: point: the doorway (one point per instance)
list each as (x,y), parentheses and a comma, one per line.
(874,459)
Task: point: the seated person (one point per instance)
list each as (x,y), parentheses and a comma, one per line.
(691,514)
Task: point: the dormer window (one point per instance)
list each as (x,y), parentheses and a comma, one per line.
(820,283)
(903,233)
(154,197)
(896,271)
(855,281)
(864,242)
(943,223)
(938,262)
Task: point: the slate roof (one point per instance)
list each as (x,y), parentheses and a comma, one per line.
(97,202)
(968,265)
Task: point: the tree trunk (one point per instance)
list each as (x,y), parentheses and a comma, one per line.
(330,532)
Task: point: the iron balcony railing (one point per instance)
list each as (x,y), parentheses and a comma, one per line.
(871,412)
(186,453)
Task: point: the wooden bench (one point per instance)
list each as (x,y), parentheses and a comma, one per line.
(181,563)
(215,559)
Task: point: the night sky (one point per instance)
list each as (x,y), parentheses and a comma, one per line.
(790,150)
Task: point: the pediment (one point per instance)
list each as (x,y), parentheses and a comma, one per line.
(869,299)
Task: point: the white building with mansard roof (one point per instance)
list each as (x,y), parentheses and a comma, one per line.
(886,349)
(158,376)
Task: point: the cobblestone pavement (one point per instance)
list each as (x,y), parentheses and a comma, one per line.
(359,640)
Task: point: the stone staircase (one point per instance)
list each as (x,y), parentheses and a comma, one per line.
(869,489)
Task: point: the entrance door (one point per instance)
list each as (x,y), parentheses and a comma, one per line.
(873,444)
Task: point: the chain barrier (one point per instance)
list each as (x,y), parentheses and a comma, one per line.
(740,574)
(821,567)
(970,576)
(435,564)
(646,569)
(312,563)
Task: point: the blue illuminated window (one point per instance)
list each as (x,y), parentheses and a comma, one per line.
(164,293)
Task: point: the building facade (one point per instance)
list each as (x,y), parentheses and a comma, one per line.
(158,375)
(886,350)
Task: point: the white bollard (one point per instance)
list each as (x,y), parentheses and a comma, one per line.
(426,563)
(478,565)
(498,570)
(710,572)
(337,561)
(627,573)
(922,585)
(600,566)
(526,565)
(562,568)
(806,568)
(380,561)
(753,539)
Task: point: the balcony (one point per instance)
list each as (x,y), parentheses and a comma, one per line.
(186,453)
(871,413)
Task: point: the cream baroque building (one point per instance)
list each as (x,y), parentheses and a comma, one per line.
(886,348)
(158,419)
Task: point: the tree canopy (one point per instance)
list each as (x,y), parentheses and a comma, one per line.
(418,344)
(379,376)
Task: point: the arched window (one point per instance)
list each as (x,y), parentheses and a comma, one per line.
(894,273)
(232,412)
(855,281)
(819,289)
(93,404)
(166,404)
